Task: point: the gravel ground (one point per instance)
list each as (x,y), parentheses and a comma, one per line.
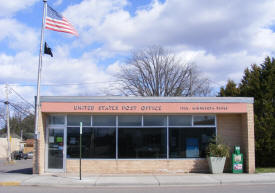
(17,166)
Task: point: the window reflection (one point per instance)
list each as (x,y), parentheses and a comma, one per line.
(154,120)
(129,120)
(204,120)
(104,120)
(96,142)
(56,120)
(189,142)
(180,120)
(142,143)
(74,120)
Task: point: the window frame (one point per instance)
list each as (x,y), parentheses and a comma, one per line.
(61,127)
(116,126)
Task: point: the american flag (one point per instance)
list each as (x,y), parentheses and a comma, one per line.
(56,22)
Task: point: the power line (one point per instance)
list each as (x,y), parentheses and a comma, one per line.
(3,101)
(20,111)
(2,125)
(18,108)
(61,84)
(21,97)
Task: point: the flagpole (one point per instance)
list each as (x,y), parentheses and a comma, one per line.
(39,71)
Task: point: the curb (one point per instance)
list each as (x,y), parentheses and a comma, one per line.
(115,185)
(14,183)
(248,182)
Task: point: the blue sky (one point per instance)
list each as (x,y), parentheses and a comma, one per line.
(220,37)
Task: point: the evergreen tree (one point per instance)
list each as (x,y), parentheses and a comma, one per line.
(231,89)
(259,82)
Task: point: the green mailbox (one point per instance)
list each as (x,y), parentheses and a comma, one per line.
(237,160)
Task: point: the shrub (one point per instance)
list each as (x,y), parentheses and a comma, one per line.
(217,148)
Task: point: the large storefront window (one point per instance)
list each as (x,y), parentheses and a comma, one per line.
(139,136)
(142,143)
(96,142)
(189,142)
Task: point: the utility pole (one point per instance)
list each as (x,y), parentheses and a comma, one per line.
(191,82)
(36,132)
(8,123)
(80,150)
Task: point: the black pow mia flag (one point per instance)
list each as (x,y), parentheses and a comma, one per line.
(47,50)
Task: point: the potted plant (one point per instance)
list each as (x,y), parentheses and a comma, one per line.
(217,152)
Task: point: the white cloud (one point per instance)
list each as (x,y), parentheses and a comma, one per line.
(222,38)
(8,8)
(58,2)
(114,68)
(263,39)
(220,68)
(18,68)
(89,77)
(218,27)
(92,12)
(61,75)
(18,35)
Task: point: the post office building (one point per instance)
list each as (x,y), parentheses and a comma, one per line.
(138,135)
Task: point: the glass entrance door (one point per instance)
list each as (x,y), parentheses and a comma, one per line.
(55,148)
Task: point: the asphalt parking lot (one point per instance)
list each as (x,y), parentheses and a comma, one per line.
(17,166)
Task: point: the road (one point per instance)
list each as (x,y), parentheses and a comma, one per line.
(19,166)
(263,188)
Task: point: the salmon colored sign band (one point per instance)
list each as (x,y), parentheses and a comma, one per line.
(59,107)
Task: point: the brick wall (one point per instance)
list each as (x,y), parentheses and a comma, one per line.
(249,139)
(229,128)
(238,129)
(137,166)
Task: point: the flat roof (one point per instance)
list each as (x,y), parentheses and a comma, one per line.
(123,99)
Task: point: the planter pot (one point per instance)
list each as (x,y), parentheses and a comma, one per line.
(216,164)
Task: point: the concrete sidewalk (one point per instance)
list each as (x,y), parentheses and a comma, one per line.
(10,179)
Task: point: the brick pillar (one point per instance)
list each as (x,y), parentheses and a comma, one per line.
(35,160)
(39,147)
(248,139)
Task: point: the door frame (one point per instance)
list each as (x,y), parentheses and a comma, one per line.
(60,127)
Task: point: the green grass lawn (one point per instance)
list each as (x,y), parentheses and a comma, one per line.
(265,170)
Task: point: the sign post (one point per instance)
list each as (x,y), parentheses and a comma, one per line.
(80,150)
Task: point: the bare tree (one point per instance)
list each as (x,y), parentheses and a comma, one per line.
(156,72)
